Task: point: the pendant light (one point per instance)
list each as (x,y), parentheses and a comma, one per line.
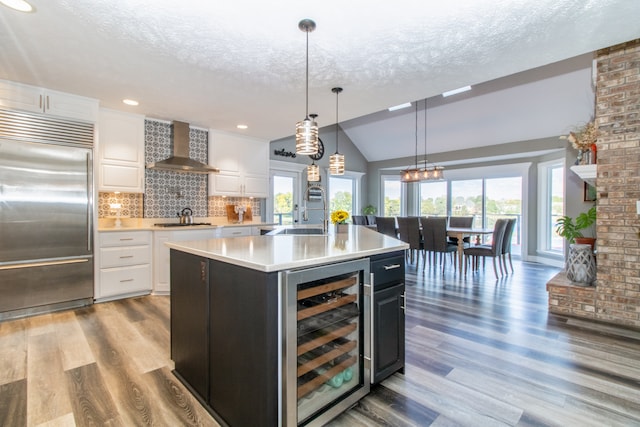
(430,172)
(336,160)
(313,172)
(307,129)
(412,174)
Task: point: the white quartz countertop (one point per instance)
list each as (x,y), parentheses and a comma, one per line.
(142,224)
(285,252)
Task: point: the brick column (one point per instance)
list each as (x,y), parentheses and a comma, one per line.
(618,184)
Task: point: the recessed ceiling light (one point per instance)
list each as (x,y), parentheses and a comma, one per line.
(127,101)
(400,107)
(19,5)
(242,127)
(456,91)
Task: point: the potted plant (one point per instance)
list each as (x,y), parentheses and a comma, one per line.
(570,229)
(369,210)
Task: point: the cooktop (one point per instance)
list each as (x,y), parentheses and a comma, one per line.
(177,224)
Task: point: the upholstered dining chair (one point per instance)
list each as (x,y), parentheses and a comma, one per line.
(359,220)
(434,235)
(409,232)
(371,219)
(506,243)
(494,250)
(386,225)
(460,222)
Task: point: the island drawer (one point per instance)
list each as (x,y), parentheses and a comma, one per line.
(387,270)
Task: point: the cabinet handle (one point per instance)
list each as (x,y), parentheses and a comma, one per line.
(40,103)
(127,238)
(48,102)
(372,329)
(404,301)
(391,266)
(126,280)
(203,272)
(126,256)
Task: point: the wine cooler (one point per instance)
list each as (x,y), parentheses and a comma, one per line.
(326,355)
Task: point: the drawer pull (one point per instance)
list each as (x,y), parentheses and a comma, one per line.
(391,266)
(126,256)
(126,238)
(126,280)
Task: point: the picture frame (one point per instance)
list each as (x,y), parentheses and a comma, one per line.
(589,194)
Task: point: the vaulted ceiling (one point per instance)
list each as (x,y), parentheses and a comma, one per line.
(219,64)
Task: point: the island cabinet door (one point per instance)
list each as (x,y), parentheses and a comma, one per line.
(389,346)
(189,319)
(244,346)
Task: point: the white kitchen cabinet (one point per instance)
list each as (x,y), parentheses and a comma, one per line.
(161,269)
(243,164)
(19,96)
(121,152)
(124,264)
(236,231)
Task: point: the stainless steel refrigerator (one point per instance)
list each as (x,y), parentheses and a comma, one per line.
(46,214)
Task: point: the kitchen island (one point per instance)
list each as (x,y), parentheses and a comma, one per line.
(275,330)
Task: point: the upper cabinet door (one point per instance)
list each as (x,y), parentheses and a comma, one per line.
(121,152)
(18,96)
(243,162)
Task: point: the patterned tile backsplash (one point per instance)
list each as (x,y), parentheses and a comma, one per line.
(167,193)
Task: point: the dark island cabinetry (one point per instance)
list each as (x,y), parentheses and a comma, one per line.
(224,338)
(388,315)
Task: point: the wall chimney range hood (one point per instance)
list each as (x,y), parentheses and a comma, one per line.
(180,161)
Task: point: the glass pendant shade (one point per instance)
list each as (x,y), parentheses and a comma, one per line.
(313,173)
(306,137)
(336,160)
(336,164)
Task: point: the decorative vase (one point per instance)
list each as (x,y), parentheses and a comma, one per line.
(581,265)
(341,228)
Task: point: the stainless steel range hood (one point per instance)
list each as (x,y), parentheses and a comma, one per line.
(180,161)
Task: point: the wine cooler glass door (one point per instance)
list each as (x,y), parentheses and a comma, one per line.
(327,335)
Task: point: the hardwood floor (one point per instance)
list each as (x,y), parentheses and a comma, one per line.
(480,352)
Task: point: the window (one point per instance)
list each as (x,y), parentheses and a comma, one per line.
(283,198)
(466,199)
(550,206)
(341,191)
(503,199)
(433,198)
(391,195)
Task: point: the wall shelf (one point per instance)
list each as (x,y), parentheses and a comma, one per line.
(586,172)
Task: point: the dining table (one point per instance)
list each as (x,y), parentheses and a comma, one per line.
(461,233)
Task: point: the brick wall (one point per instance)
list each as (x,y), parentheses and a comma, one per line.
(618,184)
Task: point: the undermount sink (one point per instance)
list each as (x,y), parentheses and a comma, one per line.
(304,231)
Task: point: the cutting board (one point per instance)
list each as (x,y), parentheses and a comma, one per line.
(233,217)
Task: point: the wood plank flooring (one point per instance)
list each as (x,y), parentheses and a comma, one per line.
(480,352)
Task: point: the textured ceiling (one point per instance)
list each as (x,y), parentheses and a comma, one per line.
(217,64)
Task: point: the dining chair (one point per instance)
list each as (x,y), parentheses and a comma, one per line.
(358,220)
(371,219)
(460,222)
(409,232)
(386,225)
(506,243)
(434,235)
(494,250)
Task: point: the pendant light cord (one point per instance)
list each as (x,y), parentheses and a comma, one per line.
(307,83)
(425,133)
(337,140)
(416,134)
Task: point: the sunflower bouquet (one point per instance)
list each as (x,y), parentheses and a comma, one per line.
(339,216)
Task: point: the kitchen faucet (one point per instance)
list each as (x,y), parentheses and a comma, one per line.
(305,214)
